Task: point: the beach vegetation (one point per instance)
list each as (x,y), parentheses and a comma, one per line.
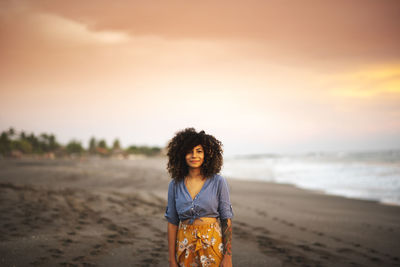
(92,145)
(74,147)
(19,144)
(143,150)
(116,145)
(103,144)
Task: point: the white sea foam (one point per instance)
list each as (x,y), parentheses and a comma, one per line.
(363,175)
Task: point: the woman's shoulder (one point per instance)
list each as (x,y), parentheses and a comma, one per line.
(218,178)
(174,183)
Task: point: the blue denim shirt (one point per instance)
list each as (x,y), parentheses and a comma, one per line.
(212,201)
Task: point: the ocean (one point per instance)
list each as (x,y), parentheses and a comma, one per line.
(371,175)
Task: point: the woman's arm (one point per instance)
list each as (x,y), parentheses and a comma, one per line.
(172,230)
(226,227)
(173,221)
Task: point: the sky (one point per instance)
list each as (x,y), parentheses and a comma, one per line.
(261,76)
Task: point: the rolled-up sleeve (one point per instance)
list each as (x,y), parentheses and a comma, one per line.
(224,206)
(170,213)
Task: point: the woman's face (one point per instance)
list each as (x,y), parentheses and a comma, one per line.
(195,157)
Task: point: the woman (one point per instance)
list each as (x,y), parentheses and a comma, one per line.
(197,198)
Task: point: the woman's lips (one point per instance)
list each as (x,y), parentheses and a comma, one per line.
(195,161)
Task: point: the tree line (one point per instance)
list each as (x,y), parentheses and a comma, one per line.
(15,144)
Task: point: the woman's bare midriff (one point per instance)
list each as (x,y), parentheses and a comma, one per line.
(200,221)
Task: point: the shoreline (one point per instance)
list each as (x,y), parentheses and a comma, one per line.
(310,191)
(141,158)
(316,191)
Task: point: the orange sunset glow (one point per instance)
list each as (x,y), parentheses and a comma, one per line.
(262,76)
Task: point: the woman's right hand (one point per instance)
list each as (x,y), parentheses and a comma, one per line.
(172,230)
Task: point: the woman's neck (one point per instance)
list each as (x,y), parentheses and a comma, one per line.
(195,173)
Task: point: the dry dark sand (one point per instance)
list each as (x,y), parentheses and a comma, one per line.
(99,212)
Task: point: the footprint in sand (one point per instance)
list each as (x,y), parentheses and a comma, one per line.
(88,264)
(66,242)
(240,233)
(55,252)
(241,223)
(344,250)
(161,234)
(262,230)
(155,254)
(39,261)
(375,259)
(125,242)
(83,215)
(257,228)
(102,220)
(161,246)
(95,252)
(55,215)
(287,223)
(79,258)
(123,231)
(149,262)
(319,233)
(297,259)
(68,264)
(305,247)
(112,236)
(112,227)
(317,244)
(9,226)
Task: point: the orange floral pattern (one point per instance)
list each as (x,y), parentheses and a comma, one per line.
(199,245)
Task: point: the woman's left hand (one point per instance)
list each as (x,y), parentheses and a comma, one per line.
(226,261)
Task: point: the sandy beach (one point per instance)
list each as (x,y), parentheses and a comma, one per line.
(109,212)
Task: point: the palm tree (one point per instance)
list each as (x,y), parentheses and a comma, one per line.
(92,145)
(116,144)
(5,144)
(102,143)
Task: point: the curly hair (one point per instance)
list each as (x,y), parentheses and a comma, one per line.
(183,142)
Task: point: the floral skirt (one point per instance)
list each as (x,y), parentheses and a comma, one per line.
(199,245)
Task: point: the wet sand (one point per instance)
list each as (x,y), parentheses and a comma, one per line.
(100,212)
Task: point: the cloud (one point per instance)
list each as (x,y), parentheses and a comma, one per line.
(321,31)
(329,35)
(59,29)
(369,83)
(24,22)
